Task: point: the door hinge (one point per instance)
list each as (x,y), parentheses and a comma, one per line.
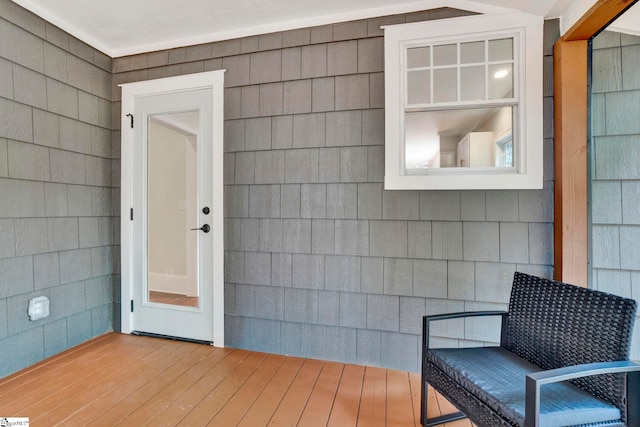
(131,214)
(131,117)
(132,306)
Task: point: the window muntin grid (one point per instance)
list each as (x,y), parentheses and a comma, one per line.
(439,74)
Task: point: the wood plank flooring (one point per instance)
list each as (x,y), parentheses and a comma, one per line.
(127,380)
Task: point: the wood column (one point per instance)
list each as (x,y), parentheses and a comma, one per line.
(570,161)
(570,140)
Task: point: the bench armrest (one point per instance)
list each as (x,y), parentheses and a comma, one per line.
(460,314)
(536,380)
(426,320)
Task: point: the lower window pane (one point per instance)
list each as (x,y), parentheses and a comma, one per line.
(477,137)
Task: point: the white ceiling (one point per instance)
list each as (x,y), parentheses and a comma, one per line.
(628,22)
(124,27)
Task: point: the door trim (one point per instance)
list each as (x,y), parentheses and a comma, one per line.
(215,81)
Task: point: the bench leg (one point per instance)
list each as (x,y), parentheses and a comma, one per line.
(423,401)
(444,419)
(436,420)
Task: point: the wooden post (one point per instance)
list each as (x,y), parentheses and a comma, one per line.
(570,161)
(570,140)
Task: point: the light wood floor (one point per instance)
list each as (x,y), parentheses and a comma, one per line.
(135,381)
(174,299)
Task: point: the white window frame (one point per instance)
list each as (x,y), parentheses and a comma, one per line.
(527,131)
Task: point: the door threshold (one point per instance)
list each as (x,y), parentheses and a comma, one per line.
(169,337)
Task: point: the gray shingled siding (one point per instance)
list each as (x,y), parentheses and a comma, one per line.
(57,228)
(615,160)
(319,260)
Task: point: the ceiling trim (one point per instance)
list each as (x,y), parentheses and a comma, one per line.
(394,9)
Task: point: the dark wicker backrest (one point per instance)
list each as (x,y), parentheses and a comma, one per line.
(554,324)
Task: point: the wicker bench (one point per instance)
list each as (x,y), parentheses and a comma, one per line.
(563,360)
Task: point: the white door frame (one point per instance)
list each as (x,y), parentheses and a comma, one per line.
(215,81)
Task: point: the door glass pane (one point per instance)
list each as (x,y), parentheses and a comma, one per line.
(418,87)
(472,83)
(445,85)
(418,57)
(172,270)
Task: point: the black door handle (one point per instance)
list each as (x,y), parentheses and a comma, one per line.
(204,228)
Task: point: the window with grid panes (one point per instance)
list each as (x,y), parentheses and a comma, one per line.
(456,91)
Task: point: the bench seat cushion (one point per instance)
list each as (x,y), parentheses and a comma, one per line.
(497,377)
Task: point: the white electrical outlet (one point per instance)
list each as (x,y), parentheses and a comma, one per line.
(38,308)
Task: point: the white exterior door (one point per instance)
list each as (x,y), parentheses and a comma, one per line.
(172,220)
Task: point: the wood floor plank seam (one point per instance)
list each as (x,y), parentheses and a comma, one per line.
(175,412)
(348,397)
(211,404)
(320,402)
(75,389)
(256,382)
(52,387)
(88,344)
(58,362)
(114,396)
(263,408)
(141,403)
(373,390)
(292,410)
